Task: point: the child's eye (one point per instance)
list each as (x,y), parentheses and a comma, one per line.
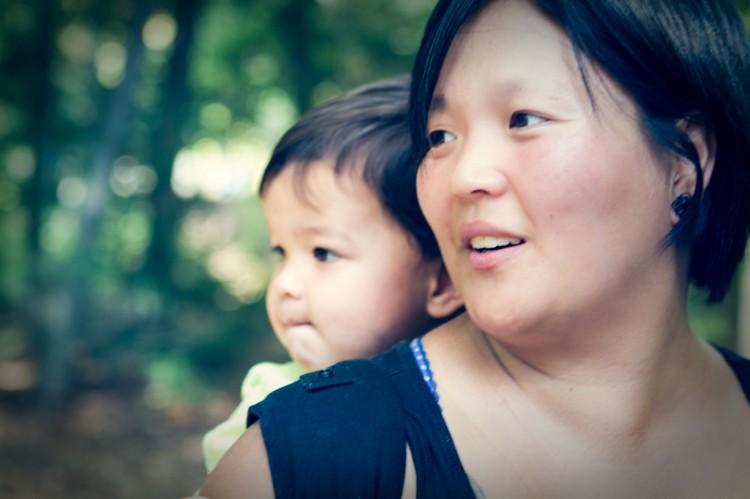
(439,137)
(277,252)
(523,119)
(324,255)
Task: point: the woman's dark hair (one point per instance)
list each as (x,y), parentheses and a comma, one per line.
(365,133)
(680,61)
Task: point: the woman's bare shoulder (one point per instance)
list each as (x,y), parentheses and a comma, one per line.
(243,471)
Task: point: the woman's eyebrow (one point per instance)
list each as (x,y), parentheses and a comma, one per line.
(509,87)
(438,103)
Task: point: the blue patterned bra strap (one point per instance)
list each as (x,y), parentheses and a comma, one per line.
(424,367)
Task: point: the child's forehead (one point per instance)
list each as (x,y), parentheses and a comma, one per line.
(317,189)
(325,196)
(319,179)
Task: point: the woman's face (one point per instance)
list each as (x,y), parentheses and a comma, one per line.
(545,206)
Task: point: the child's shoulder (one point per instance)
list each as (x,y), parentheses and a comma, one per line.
(268,376)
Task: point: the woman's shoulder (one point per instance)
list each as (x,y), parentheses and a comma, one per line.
(343,423)
(741,367)
(364,381)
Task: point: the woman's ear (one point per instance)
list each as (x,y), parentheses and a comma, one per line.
(684,174)
(443,299)
(704,143)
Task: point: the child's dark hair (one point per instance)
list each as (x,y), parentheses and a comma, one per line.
(681,61)
(365,132)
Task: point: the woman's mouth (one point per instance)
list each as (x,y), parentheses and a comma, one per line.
(488,243)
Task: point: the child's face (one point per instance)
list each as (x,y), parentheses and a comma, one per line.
(349,281)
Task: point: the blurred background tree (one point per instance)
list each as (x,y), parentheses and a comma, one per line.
(132,250)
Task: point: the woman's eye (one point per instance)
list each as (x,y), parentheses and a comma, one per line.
(522,120)
(324,255)
(440,137)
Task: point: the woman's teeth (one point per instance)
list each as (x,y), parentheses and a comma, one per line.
(484,243)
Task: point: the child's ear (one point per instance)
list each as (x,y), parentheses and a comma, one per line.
(443,299)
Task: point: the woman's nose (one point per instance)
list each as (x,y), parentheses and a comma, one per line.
(481,168)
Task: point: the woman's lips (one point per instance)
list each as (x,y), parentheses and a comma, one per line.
(488,246)
(486,259)
(490,243)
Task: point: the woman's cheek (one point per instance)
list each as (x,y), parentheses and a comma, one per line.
(427,190)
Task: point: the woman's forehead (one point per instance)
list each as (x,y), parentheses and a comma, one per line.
(509,38)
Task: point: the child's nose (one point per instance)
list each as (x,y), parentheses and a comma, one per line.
(288,281)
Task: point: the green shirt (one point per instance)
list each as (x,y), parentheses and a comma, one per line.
(260,380)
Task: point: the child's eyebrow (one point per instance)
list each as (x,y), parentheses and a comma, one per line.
(319,230)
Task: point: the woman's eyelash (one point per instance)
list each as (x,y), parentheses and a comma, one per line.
(520,119)
(439,137)
(523,119)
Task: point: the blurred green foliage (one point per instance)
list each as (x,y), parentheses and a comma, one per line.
(132,135)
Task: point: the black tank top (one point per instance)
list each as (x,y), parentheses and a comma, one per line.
(342,432)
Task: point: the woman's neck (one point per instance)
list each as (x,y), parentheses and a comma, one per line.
(615,339)
(613,383)
(628,403)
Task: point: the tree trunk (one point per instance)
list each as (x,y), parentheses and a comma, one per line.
(39,193)
(68,305)
(168,143)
